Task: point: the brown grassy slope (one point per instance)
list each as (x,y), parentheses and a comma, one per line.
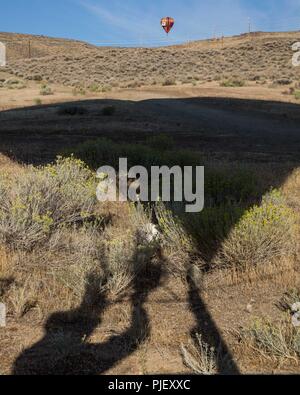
(260,57)
(40,46)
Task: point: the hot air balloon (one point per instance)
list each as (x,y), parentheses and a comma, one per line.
(167,24)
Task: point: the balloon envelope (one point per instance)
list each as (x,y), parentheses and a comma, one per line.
(167,24)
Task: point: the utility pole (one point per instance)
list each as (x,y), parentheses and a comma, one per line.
(249,26)
(29,49)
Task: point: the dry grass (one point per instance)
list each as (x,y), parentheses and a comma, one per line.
(179,247)
(49,280)
(4,259)
(128,247)
(200,357)
(233,83)
(23,297)
(9,167)
(279,340)
(55,275)
(261,58)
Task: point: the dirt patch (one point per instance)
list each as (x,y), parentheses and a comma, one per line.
(171,325)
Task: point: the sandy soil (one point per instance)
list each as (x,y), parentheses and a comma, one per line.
(15,98)
(173,318)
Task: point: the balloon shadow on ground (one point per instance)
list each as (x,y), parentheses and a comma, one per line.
(64,350)
(210,334)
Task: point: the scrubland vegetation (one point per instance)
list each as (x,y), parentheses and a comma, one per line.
(264,58)
(12,83)
(46,90)
(233,83)
(57,239)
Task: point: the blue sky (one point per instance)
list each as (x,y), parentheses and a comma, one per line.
(137,21)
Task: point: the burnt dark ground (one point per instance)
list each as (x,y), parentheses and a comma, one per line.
(222,128)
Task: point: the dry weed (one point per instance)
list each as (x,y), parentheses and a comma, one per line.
(200,357)
(178,246)
(279,341)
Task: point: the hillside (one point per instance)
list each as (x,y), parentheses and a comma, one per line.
(22,46)
(261,57)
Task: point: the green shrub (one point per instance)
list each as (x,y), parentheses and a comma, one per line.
(275,340)
(161,142)
(178,245)
(211,226)
(172,228)
(37,101)
(13,83)
(106,88)
(231,185)
(229,190)
(46,90)
(297,95)
(44,199)
(169,82)
(105,152)
(102,151)
(228,193)
(233,83)
(263,233)
(95,88)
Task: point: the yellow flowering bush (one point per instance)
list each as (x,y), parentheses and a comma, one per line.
(263,233)
(42,199)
